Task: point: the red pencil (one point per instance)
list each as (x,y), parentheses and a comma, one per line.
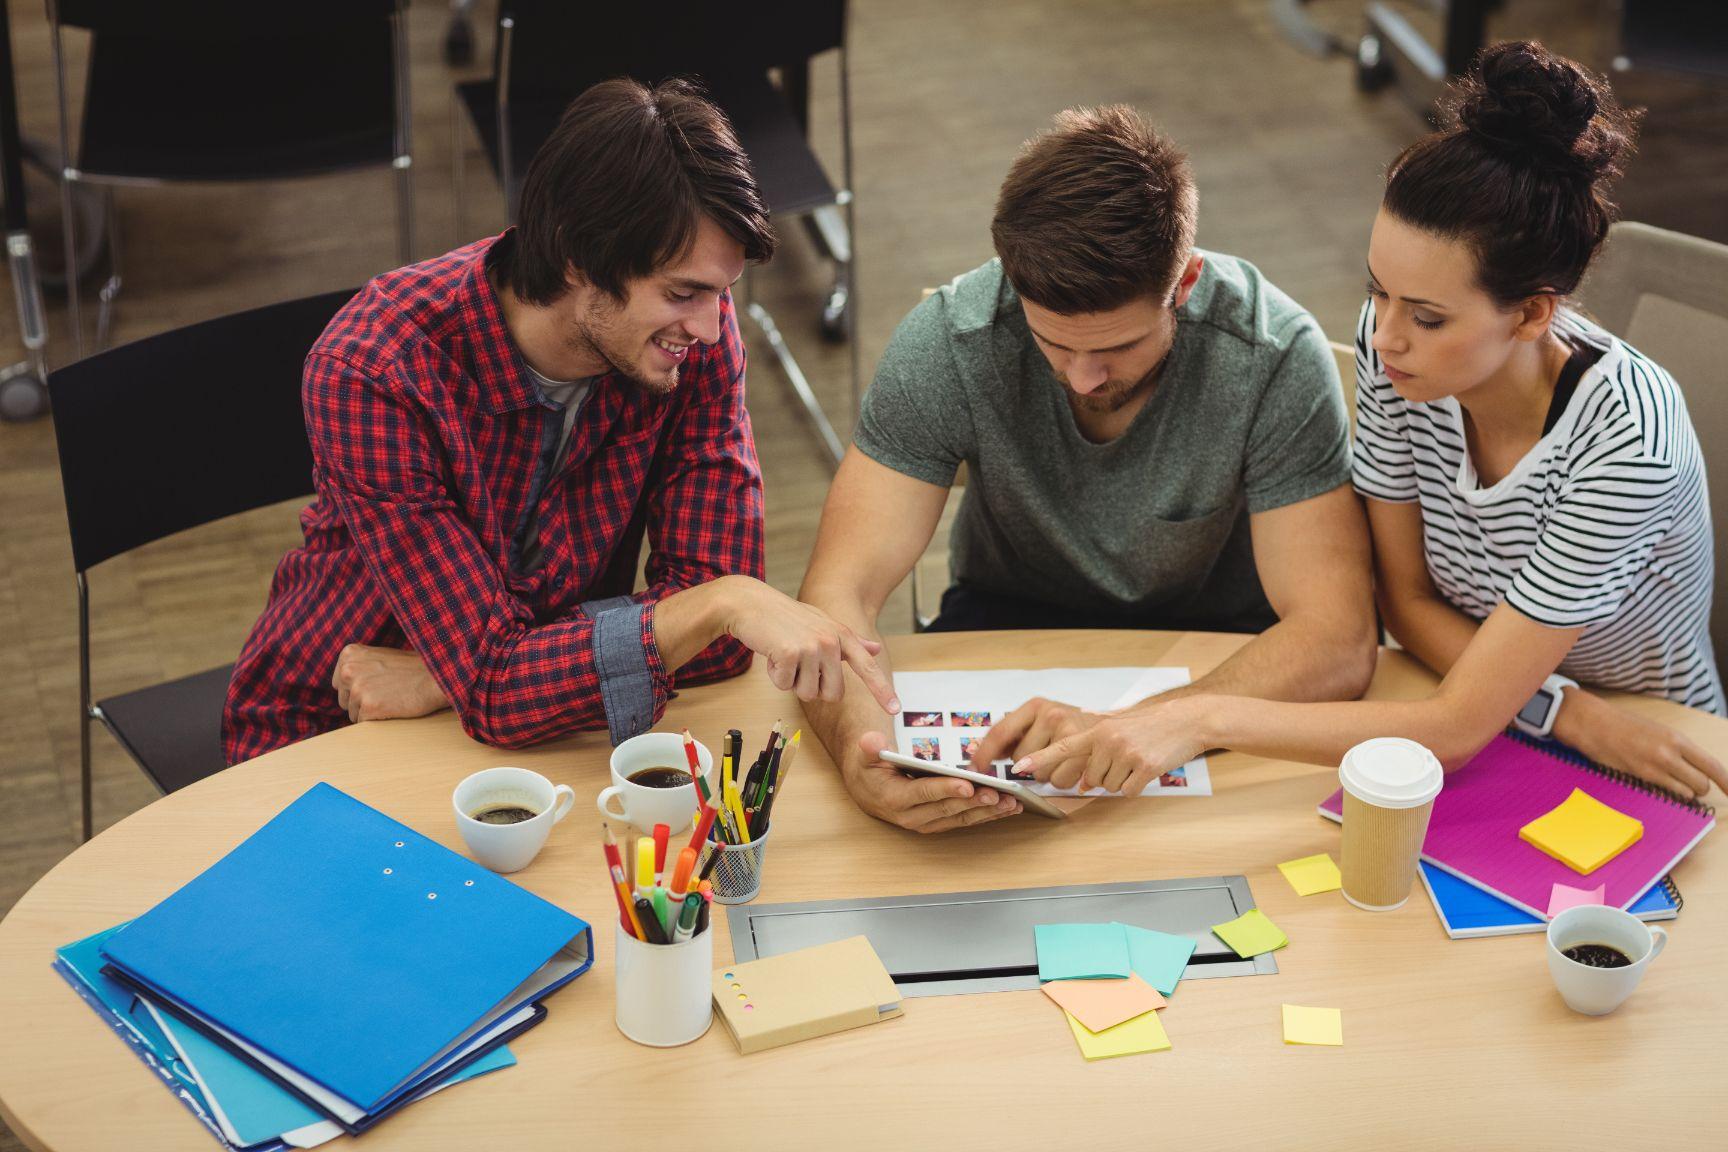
(703,825)
(615,865)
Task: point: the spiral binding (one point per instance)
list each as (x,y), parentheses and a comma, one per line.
(1572,756)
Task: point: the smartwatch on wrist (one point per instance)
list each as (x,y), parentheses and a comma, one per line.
(1537,717)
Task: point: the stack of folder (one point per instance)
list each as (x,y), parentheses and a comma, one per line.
(332,969)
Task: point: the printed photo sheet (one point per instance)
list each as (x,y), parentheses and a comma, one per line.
(943,714)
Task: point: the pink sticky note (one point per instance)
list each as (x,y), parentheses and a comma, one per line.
(1101,1004)
(1565,897)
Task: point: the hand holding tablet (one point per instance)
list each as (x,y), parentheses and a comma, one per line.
(1015,788)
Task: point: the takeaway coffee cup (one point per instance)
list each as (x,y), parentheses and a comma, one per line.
(1619,945)
(1389,789)
(642,767)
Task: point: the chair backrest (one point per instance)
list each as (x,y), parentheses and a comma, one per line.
(181,429)
(1677,35)
(215,19)
(1666,294)
(559,48)
(1344,356)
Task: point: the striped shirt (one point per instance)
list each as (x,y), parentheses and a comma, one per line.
(1604,524)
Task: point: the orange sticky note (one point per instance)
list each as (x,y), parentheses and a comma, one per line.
(1101,1004)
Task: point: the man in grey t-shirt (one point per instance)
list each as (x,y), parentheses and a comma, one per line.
(1154,436)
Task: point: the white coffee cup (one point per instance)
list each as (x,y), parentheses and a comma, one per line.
(643,806)
(1598,991)
(509,847)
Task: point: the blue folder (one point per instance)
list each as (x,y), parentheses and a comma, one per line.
(351,957)
(79,965)
(1467,911)
(213,1080)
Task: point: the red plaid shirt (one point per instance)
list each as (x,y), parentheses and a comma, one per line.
(429,437)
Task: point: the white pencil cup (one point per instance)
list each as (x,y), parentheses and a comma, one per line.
(665,991)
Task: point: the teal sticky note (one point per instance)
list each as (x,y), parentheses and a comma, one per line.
(1157,957)
(1081,951)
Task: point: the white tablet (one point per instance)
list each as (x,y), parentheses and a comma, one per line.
(1014,788)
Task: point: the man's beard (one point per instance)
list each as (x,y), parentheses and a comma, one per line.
(1114,395)
(1111,396)
(593,334)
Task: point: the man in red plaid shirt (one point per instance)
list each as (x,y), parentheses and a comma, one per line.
(496,430)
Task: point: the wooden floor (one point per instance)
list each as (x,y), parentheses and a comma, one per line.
(1287,154)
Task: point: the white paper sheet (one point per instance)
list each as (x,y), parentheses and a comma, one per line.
(943,712)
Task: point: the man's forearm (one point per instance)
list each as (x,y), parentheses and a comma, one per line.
(839,724)
(1296,660)
(688,621)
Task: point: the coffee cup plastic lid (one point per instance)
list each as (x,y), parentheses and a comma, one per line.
(1391,772)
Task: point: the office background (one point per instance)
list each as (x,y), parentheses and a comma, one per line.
(1288,156)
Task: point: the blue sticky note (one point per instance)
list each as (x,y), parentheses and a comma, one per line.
(1157,957)
(1081,951)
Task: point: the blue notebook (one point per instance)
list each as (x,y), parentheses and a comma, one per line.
(351,957)
(241,1107)
(1467,911)
(251,1107)
(79,965)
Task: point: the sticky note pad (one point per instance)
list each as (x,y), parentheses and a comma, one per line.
(1101,1004)
(1564,896)
(1312,874)
(1144,1033)
(1313,1025)
(1251,934)
(1081,951)
(1158,957)
(1582,833)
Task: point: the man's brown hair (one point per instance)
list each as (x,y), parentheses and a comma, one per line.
(1096,213)
(621,186)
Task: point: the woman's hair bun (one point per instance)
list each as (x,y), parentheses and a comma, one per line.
(1526,104)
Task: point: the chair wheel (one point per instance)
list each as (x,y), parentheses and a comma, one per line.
(22,395)
(836,316)
(1373,72)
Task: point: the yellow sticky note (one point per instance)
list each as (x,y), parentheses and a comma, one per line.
(1144,1033)
(1312,874)
(1583,833)
(1313,1025)
(1251,934)
(1101,1004)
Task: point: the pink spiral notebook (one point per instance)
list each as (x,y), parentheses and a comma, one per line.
(1473,832)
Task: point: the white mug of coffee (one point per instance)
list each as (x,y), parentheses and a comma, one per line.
(651,782)
(1610,949)
(505,815)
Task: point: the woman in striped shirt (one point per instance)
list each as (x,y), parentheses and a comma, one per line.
(1534,485)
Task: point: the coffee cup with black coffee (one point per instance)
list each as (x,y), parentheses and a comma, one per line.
(1597,956)
(506,814)
(651,782)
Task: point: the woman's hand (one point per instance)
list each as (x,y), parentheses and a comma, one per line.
(1123,751)
(1619,739)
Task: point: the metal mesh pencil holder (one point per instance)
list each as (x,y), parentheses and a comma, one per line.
(738,876)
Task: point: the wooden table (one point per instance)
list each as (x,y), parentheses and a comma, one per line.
(1447,1044)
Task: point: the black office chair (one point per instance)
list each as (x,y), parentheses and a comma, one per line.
(1675,36)
(549,51)
(202,90)
(166,434)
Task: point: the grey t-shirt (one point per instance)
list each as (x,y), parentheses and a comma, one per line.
(1247,416)
(569,396)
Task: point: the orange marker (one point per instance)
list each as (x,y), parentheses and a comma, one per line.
(681,873)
